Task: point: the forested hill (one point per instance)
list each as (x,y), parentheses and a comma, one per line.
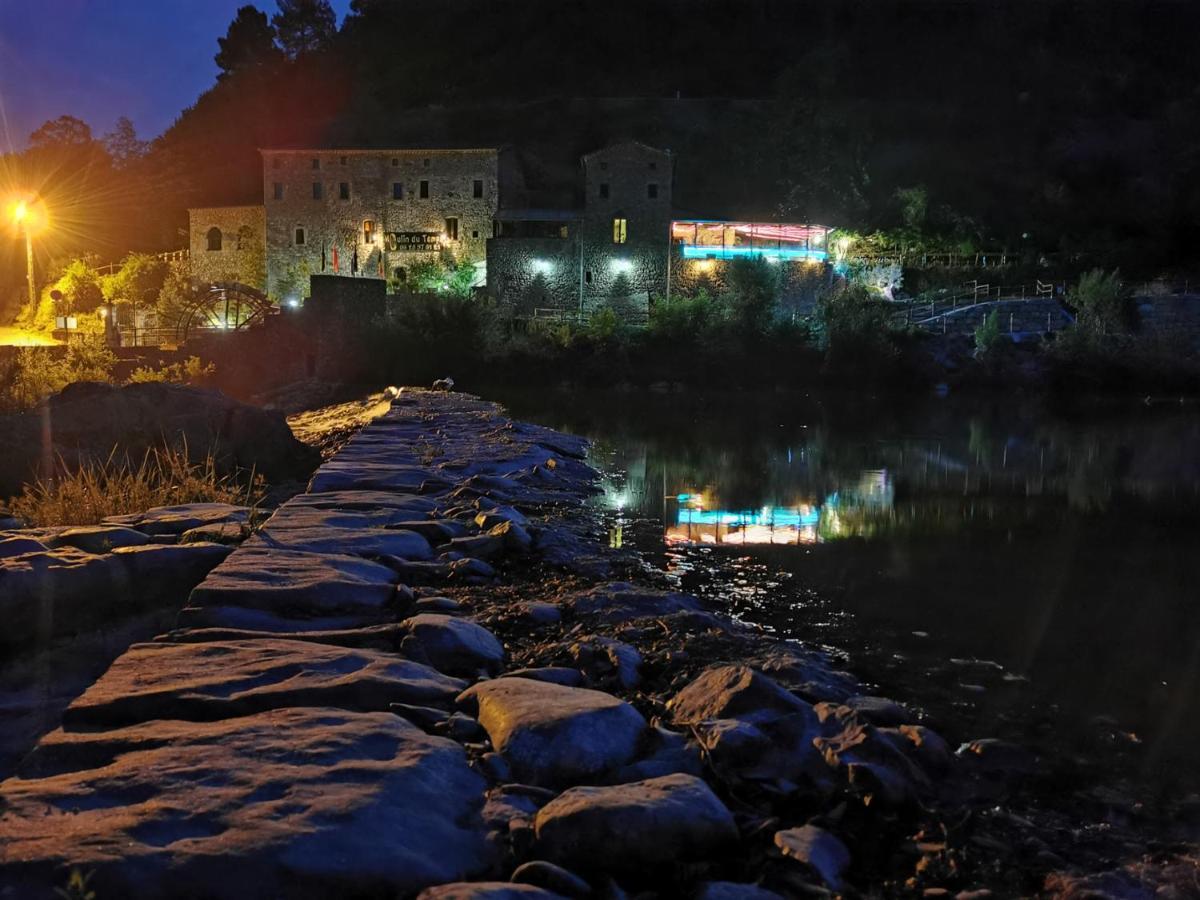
(1056,124)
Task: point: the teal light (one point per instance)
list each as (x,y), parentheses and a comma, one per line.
(696,252)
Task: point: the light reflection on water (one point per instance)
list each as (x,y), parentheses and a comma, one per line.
(1010,569)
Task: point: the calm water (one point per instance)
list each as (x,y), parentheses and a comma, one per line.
(1009,571)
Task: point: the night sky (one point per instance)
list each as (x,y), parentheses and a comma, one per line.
(100,59)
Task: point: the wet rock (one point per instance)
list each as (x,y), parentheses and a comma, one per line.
(601,659)
(630,827)
(816,849)
(880,710)
(552,878)
(732,890)
(553,674)
(289,581)
(924,745)
(446,605)
(100,538)
(469,569)
(670,753)
(487,890)
(552,734)
(736,692)
(207,681)
(513,536)
(291,802)
(184,517)
(481,546)
(540,612)
(493,516)
(873,762)
(436,531)
(455,645)
(618,602)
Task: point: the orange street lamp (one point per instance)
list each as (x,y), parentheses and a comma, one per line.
(28,215)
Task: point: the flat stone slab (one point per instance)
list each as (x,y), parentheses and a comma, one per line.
(333,531)
(181,518)
(297,803)
(101,538)
(487,890)
(282,581)
(223,679)
(628,827)
(554,734)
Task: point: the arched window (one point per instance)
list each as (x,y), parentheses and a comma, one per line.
(214,238)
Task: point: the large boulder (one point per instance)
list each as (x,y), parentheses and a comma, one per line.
(183,517)
(89,419)
(553,734)
(299,803)
(452,644)
(635,827)
(222,679)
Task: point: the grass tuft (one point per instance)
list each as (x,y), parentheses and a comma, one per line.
(116,486)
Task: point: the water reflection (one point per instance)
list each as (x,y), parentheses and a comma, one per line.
(1011,558)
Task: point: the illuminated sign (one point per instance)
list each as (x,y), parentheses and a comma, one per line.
(413,241)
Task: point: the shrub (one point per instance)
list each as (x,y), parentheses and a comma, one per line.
(856,329)
(1102,303)
(116,487)
(683,319)
(189,371)
(40,372)
(80,286)
(988,336)
(138,282)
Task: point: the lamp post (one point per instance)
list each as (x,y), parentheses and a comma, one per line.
(25,214)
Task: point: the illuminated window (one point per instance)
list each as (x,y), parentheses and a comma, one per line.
(604,190)
(277,190)
(299,236)
(620,230)
(477,188)
(397,190)
(368,231)
(214,238)
(652,191)
(318,190)
(344,190)
(316,163)
(424,190)
(452,228)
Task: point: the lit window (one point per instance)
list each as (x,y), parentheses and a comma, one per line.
(277,190)
(299,236)
(316,163)
(318,190)
(620,230)
(214,238)
(397,190)
(604,190)
(344,190)
(424,190)
(477,188)
(368,231)
(452,228)
(652,191)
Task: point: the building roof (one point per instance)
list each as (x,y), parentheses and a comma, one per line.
(627,143)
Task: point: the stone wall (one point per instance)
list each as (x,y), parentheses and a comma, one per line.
(241,256)
(340,316)
(534,273)
(370,178)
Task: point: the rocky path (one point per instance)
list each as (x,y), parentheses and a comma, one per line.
(420,678)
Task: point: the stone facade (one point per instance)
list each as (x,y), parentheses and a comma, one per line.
(612,250)
(382,210)
(227,243)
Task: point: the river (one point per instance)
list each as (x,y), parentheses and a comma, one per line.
(1008,570)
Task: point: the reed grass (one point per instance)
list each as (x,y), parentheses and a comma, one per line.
(117,486)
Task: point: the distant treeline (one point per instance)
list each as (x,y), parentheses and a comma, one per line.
(1059,126)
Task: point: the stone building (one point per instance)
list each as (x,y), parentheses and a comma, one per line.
(373,213)
(228,243)
(609,248)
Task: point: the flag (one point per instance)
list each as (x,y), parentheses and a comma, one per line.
(335,260)
(354,261)
(322,256)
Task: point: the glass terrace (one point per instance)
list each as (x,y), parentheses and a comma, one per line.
(708,239)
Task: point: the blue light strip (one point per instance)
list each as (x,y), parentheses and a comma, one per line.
(776,516)
(700,252)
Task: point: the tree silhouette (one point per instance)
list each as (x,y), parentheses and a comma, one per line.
(65,131)
(123,145)
(249,42)
(304,25)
